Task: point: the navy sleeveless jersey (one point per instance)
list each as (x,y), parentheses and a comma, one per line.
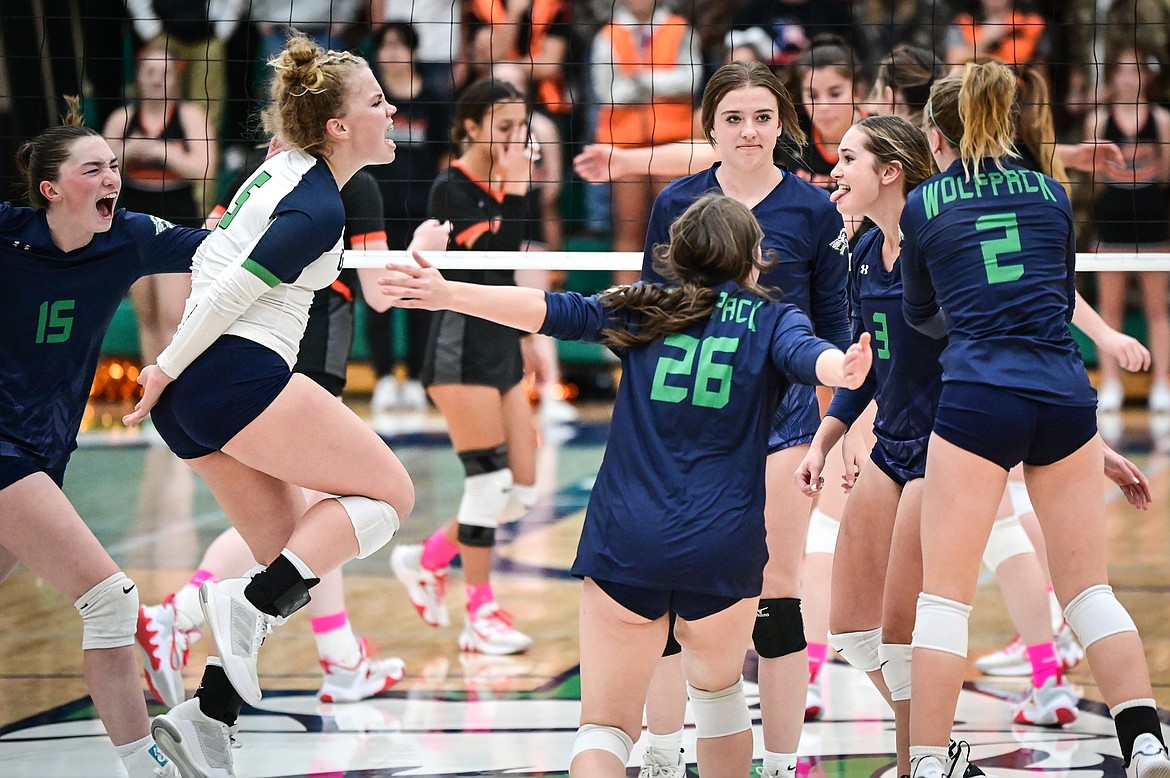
(55,309)
(679,499)
(800,225)
(997,254)
(906,377)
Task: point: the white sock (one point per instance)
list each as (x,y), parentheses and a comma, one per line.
(302,568)
(141,758)
(785,764)
(339,645)
(188,611)
(667,746)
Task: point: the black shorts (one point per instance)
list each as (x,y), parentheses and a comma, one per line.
(1007,428)
(16,468)
(655,603)
(220,393)
(1129,218)
(469,351)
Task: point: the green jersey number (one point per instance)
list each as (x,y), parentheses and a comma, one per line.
(994,248)
(712,382)
(242,198)
(53,325)
(881,335)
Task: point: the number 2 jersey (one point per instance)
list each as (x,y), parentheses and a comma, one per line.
(997,254)
(679,499)
(55,312)
(256,274)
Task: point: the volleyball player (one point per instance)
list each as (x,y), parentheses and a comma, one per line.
(1014,389)
(67,263)
(224,396)
(675,520)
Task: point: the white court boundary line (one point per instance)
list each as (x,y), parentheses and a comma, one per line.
(632,260)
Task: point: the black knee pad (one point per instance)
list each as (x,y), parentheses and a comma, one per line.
(484,460)
(779,629)
(672,645)
(477,537)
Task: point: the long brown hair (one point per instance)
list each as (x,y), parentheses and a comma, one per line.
(309,89)
(716,239)
(973,112)
(909,72)
(40,159)
(741,75)
(893,139)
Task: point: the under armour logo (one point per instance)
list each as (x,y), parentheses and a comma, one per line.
(864,269)
(762,613)
(841,243)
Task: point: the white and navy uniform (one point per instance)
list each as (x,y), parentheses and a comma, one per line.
(906,378)
(806,233)
(463,349)
(252,284)
(989,261)
(678,505)
(55,308)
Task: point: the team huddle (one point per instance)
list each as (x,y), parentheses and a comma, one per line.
(951,313)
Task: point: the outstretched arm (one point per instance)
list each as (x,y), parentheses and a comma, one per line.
(424,287)
(1128,352)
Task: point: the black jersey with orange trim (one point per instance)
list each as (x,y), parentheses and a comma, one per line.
(482,218)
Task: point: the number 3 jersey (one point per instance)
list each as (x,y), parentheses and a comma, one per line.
(55,310)
(996,252)
(679,498)
(256,274)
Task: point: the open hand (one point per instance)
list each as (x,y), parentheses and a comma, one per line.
(153,380)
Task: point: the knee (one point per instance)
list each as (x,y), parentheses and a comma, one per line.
(1095,614)
(859,649)
(779,628)
(487,483)
(941,625)
(374,522)
(109,613)
(720,713)
(598,737)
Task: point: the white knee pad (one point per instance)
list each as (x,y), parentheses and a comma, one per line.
(941,624)
(720,713)
(109,613)
(822,533)
(1007,540)
(374,522)
(485,496)
(859,649)
(1018,494)
(523,497)
(594,737)
(896,669)
(1095,613)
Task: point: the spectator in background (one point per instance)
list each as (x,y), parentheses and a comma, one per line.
(323,21)
(438,56)
(1000,29)
(646,68)
(887,25)
(1131,212)
(421,131)
(197,32)
(792,24)
(534,33)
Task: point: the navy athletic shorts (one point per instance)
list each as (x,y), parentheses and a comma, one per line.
(797,418)
(14,467)
(655,603)
(220,393)
(1007,428)
(902,461)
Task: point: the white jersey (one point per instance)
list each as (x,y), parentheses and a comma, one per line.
(256,273)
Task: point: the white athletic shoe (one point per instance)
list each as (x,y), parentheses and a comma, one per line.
(238,629)
(490,631)
(1012,659)
(655,765)
(199,746)
(1159,399)
(150,763)
(164,650)
(412,396)
(385,396)
(1068,650)
(368,678)
(812,701)
(959,761)
(1149,759)
(773,772)
(928,767)
(1050,705)
(554,411)
(1110,396)
(427,589)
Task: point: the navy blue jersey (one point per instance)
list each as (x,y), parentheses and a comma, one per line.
(906,376)
(800,225)
(679,498)
(997,254)
(55,309)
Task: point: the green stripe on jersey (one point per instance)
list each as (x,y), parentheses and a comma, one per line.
(261,272)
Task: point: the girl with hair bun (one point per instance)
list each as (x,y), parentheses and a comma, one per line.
(223,395)
(988,261)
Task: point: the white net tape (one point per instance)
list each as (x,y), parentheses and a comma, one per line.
(632,260)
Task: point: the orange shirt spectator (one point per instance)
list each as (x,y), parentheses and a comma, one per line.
(1002,32)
